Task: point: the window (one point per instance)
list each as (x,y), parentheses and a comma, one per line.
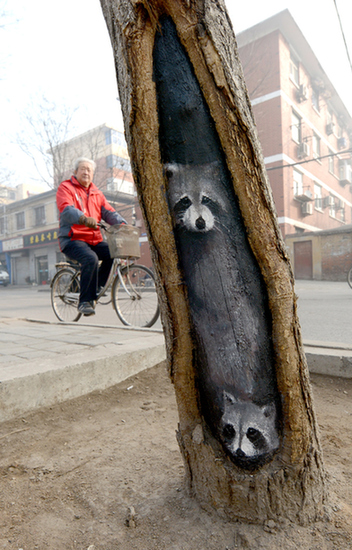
(39,215)
(331,162)
(315,99)
(112,136)
(316,146)
(318,197)
(329,116)
(296,128)
(110,161)
(123,186)
(294,69)
(113,161)
(343,214)
(332,208)
(20,221)
(297,183)
(2,226)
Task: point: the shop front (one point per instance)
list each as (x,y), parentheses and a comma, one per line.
(31,258)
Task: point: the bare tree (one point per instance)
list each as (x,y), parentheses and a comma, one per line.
(43,138)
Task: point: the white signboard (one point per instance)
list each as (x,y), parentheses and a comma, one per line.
(12,244)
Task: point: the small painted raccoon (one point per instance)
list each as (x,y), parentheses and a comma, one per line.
(249,432)
(229,310)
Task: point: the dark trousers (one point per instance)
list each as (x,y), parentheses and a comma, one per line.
(88,256)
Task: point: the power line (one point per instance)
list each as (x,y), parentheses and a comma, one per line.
(343,34)
(310,160)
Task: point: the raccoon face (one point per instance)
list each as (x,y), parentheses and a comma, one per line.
(194,215)
(249,432)
(193,200)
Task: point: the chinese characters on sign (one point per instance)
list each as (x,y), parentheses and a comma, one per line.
(44,237)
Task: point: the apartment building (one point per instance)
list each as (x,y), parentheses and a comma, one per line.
(303,126)
(107,147)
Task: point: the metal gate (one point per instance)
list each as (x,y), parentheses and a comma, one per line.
(303,260)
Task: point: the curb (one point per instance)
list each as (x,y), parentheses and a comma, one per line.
(43,389)
(329,359)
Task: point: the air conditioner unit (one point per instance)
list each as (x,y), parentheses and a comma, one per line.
(342,143)
(307,208)
(329,128)
(328,201)
(304,196)
(302,93)
(303,150)
(345,173)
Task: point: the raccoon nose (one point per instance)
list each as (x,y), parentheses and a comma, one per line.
(240,453)
(200,223)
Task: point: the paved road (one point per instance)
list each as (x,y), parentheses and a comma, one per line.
(324,307)
(325,311)
(33,302)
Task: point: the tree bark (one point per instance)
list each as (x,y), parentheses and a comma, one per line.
(292,485)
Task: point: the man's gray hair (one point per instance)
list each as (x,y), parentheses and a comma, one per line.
(83,159)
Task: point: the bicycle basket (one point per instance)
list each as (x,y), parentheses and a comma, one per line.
(123,241)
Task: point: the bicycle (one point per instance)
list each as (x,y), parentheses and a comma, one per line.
(349,277)
(130,286)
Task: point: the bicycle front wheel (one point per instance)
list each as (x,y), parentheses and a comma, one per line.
(136,304)
(349,277)
(65,290)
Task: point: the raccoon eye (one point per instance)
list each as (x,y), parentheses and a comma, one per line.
(256,438)
(229,431)
(206,200)
(185,201)
(253,434)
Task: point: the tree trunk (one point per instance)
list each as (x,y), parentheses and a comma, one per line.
(290,481)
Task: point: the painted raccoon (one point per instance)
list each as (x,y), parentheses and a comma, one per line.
(229,310)
(249,432)
(227,296)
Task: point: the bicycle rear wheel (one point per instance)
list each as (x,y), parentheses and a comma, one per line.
(349,277)
(138,306)
(65,290)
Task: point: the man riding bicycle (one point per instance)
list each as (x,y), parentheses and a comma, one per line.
(82,206)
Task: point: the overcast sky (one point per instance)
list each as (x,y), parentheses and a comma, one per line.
(61,50)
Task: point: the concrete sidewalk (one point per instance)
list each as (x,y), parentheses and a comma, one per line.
(43,363)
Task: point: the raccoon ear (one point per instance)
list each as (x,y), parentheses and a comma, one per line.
(269,410)
(228,398)
(170,169)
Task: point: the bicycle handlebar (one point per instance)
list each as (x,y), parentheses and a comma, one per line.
(103,224)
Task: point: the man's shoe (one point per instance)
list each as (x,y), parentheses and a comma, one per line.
(86,308)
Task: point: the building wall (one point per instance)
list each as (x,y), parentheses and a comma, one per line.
(331,253)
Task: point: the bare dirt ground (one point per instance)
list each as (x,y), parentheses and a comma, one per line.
(104,472)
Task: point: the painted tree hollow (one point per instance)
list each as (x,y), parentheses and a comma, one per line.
(228,301)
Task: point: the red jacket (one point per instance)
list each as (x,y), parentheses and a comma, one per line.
(73,200)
